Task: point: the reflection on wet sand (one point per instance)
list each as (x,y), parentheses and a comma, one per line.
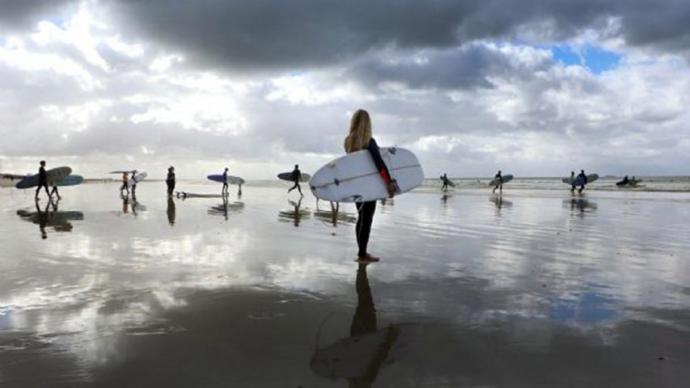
(500,202)
(295,215)
(224,208)
(129,202)
(581,204)
(334,215)
(170,211)
(51,217)
(358,357)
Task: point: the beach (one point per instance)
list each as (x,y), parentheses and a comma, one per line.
(534,288)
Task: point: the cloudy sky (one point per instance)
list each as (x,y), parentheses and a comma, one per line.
(535,88)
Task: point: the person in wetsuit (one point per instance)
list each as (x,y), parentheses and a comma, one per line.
(170,180)
(572,181)
(499,182)
(444,178)
(296,176)
(224,190)
(584,180)
(134,183)
(125,179)
(360,138)
(42,180)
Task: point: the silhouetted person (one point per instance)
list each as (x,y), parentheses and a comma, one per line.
(42,180)
(170,180)
(134,187)
(296,177)
(572,181)
(55,191)
(444,179)
(499,182)
(224,190)
(125,183)
(583,179)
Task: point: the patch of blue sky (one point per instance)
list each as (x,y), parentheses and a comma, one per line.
(596,59)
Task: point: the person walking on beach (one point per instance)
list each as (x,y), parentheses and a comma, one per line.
(444,178)
(42,180)
(583,182)
(125,180)
(224,190)
(572,181)
(134,183)
(499,182)
(360,138)
(296,176)
(170,180)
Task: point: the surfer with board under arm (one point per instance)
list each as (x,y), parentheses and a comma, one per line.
(572,181)
(134,183)
(296,176)
(224,190)
(42,180)
(360,138)
(444,179)
(125,179)
(499,182)
(583,179)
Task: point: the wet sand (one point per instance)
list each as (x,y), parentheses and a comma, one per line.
(532,289)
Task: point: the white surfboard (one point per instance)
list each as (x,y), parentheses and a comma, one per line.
(137,178)
(354,177)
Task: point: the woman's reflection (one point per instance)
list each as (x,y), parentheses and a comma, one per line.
(359,357)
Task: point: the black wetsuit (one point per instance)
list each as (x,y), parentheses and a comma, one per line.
(584,181)
(296,176)
(42,181)
(444,178)
(225,182)
(170,181)
(499,182)
(367,209)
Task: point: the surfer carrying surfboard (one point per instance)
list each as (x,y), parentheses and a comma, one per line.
(360,138)
(499,182)
(125,180)
(444,179)
(296,176)
(42,180)
(582,178)
(224,190)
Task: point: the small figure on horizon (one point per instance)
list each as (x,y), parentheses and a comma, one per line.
(296,176)
(134,183)
(42,180)
(125,183)
(572,181)
(583,177)
(170,180)
(499,182)
(444,179)
(224,190)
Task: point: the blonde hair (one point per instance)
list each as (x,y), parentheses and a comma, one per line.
(360,132)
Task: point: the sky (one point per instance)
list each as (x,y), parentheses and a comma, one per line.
(534,88)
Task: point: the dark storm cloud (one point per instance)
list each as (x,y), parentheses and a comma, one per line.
(21,14)
(275,34)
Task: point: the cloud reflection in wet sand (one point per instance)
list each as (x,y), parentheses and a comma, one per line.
(527,294)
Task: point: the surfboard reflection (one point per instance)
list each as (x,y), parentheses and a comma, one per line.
(224,208)
(580,205)
(359,357)
(295,214)
(51,217)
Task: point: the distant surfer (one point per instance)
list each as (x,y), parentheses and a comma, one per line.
(224,190)
(296,176)
(42,180)
(125,183)
(499,182)
(572,181)
(360,138)
(444,179)
(583,180)
(134,185)
(170,180)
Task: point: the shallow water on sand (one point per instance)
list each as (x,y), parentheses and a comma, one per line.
(532,289)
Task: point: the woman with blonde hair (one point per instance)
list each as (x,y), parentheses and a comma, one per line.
(360,138)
